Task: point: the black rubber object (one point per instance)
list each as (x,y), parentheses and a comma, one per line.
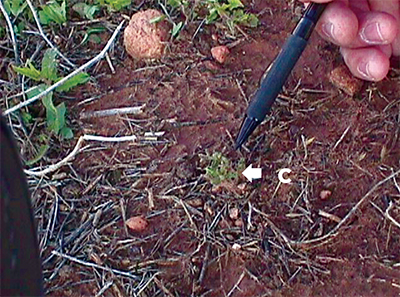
(21,273)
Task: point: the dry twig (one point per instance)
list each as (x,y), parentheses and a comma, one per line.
(112,112)
(76,149)
(93,265)
(387,215)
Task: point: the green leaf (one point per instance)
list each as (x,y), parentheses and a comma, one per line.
(176,29)
(51,112)
(157,19)
(212,16)
(42,151)
(174,3)
(30,71)
(55,116)
(253,21)
(233,4)
(85,10)
(61,110)
(49,65)
(91,35)
(15,6)
(26,117)
(36,91)
(78,79)
(66,133)
(53,12)
(95,30)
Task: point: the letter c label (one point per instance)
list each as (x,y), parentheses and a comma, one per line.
(281,178)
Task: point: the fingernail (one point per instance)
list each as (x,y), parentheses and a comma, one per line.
(372,34)
(329,30)
(363,69)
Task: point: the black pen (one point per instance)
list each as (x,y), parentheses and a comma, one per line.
(279,71)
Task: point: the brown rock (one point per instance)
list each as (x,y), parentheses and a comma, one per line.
(325,194)
(342,78)
(220,53)
(143,39)
(137,224)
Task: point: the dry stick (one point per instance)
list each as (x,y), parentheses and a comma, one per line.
(78,145)
(112,112)
(44,36)
(93,265)
(387,214)
(341,138)
(75,72)
(349,214)
(103,289)
(10,27)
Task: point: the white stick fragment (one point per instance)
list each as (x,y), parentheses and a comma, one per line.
(75,72)
(93,265)
(112,112)
(341,138)
(44,35)
(387,215)
(76,149)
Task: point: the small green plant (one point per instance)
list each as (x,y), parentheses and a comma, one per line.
(53,12)
(220,168)
(15,6)
(231,12)
(173,5)
(114,5)
(55,115)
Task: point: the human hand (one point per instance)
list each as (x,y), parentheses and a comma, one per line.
(367,31)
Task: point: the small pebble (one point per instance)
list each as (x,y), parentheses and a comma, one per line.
(137,224)
(234,213)
(220,53)
(236,247)
(342,78)
(325,194)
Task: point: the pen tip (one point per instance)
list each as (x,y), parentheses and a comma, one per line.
(248,126)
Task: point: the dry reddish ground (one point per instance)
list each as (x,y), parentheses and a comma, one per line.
(199,105)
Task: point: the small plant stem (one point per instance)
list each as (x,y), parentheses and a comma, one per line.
(75,72)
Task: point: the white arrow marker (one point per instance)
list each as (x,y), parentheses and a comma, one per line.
(252,173)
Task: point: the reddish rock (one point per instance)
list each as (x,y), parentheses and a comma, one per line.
(137,224)
(342,78)
(220,53)
(325,194)
(144,39)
